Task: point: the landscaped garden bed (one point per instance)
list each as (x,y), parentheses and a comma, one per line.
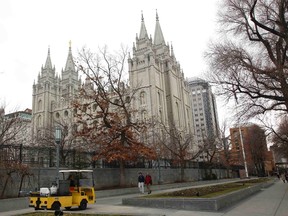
(74,214)
(208,198)
(212,190)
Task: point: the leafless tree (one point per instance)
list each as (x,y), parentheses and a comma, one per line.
(280,137)
(68,145)
(11,129)
(258,149)
(108,120)
(250,62)
(13,134)
(225,146)
(179,143)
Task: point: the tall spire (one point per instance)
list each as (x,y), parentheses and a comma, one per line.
(48,64)
(172,51)
(70,63)
(143,31)
(158,35)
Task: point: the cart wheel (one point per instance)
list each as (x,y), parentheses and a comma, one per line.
(56,206)
(83,205)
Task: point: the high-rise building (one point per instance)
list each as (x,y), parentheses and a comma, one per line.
(204,111)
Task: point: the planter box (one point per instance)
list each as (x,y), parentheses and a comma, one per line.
(197,204)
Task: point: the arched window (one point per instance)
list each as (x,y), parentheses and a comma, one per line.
(144,115)
(40,105)
(94,107)
(142,98)
(177,114)
(127,100)
(66,113)
(39,121)
(75,112)
(161,115)
(116,101)
(159,99)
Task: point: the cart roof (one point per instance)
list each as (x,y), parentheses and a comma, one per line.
(74,170)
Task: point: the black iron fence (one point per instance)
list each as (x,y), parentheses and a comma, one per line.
(39,156)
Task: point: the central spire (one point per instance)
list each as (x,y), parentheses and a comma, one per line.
(143,31)
(70,63)
(158,35)
(48,64)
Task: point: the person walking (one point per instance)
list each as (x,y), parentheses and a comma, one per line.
(141,180)
(148,182)
(283,177)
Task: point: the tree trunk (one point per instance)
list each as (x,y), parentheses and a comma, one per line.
(5,185)
(21,182)
(182,172)
(122,173)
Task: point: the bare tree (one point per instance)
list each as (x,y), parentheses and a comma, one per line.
(105,110)
(280,137)
(11,128)
(251,64)
(179,144)
(13,133)
(258,149)
(69,144)
(225,146)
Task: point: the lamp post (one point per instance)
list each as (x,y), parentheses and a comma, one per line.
(159,168)
(243,152)
(57,141)
(198,177)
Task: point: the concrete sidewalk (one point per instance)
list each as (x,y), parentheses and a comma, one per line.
(271,201)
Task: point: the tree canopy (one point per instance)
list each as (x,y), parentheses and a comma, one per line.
(249,63)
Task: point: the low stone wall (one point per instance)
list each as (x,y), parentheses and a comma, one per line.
(104,178)
(197,204)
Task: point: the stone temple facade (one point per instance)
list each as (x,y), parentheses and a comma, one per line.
(52,94)
(164,92)
(153,67)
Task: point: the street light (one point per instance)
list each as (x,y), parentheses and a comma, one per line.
(243,152)
(159,168)
(57,141)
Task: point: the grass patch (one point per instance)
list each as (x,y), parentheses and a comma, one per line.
(74,214)
(210,191)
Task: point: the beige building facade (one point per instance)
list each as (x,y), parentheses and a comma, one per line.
(164,93)
(53,94)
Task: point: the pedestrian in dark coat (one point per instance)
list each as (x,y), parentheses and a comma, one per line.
(141,180)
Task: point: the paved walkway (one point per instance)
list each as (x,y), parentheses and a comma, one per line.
(272,201)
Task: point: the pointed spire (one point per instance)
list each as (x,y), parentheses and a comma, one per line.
(172,50)
(157,17)
(158,35)
(48,64)
(70,63)
(143,32)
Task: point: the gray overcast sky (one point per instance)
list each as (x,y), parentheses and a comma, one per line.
(28,28)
